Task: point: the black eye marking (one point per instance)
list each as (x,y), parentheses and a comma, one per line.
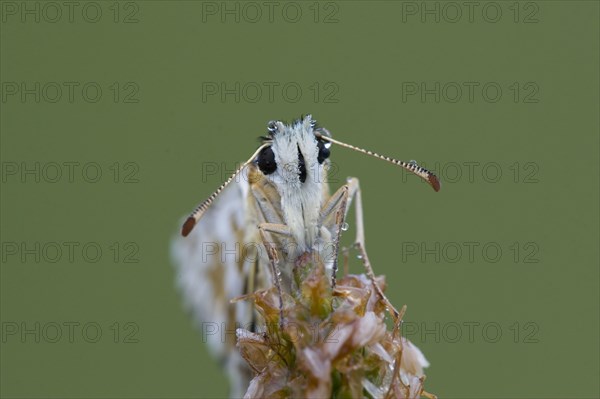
(266,161)
(323,151)
(301,166)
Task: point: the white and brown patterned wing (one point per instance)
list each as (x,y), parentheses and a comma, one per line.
(212,269)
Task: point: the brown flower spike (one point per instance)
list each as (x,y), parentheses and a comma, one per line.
(334,343)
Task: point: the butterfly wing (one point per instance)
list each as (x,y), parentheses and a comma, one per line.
(212,269)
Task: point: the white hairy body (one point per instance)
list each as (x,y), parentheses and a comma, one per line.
(300,202)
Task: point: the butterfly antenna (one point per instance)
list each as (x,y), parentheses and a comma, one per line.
(410,166)
(195,216)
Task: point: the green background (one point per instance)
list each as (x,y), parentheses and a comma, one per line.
(367,51)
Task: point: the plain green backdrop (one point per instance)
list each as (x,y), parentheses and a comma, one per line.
(515,318)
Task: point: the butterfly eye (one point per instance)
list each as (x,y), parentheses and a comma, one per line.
(323,151)
(266,161)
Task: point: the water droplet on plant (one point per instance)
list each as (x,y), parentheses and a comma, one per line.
(345,226)
(359,256)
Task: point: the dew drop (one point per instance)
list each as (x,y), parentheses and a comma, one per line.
(359,256)
(345,226)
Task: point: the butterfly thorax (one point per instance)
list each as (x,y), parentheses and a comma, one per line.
(299,178)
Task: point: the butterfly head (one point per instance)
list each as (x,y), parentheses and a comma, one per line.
(295,157)
(294,154)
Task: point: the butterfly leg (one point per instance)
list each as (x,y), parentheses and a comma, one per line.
(266,231)
(359,243)
(352,192)
(333,213)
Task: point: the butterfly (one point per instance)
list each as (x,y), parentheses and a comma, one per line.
(273,214)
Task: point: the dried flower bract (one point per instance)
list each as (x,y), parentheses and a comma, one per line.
(334,343)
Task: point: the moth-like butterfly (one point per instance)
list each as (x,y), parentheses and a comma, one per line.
(271,215)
